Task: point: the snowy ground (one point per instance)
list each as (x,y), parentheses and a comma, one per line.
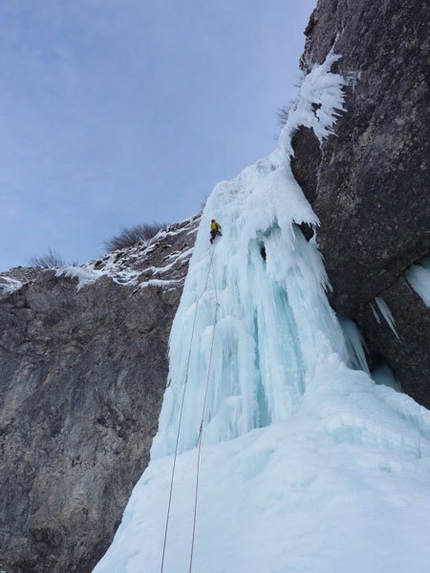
(307,464)
(343,485)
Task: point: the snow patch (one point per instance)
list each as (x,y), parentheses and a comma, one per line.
(167,285)
(84,275)
(9,285)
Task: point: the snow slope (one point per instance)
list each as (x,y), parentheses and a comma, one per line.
(304,463)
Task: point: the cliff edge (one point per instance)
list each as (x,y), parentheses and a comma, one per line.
(83,354)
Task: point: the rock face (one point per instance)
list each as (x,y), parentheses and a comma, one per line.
(83,355)
(369,185)
(82,376)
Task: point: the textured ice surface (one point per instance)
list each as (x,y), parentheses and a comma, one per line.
(307,464)
(419,278)
(273,320)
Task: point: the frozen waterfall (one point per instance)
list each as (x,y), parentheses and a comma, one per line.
(273,323)
(307,464)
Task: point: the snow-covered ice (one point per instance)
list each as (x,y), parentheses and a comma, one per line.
(320,103)
(307,464)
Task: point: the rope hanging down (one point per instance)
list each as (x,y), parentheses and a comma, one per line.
(200,439)
(180,420)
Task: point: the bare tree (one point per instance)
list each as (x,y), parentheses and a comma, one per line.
(131,235)
(51,260)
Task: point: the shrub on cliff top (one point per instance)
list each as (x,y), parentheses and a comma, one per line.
(129,236)
(51,260)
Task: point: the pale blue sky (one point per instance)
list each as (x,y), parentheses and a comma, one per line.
(120,112)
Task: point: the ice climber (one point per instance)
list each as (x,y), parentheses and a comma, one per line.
(215,230)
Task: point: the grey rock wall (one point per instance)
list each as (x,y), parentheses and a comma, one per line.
(82,376)
(82,372)
(369,185)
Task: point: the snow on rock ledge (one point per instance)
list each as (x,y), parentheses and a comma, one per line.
(83,367)
(157,262)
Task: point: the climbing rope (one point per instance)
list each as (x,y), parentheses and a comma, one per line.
(200,438)
(180,419)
